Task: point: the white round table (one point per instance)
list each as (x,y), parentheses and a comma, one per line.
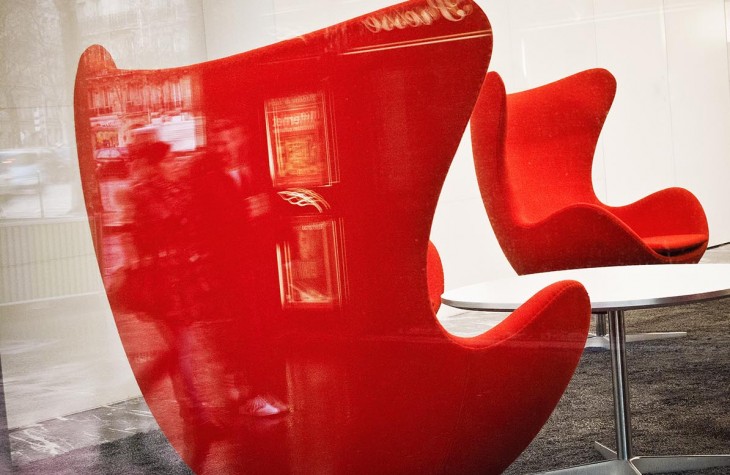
(612,291)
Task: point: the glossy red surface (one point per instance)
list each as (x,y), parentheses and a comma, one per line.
(265,254)
(533,153)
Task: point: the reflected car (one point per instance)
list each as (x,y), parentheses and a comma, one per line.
(112,162)
(24,170)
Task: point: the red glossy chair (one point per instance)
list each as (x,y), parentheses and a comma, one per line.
(533,153)
(266,259)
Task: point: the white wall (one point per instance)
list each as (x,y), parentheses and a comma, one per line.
(699,98)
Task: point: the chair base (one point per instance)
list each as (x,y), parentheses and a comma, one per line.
(642,465)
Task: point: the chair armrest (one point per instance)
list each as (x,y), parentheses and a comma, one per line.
(666,212)
(519,370)
(556,317)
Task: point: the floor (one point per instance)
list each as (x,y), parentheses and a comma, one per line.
(109,423)
(57,436)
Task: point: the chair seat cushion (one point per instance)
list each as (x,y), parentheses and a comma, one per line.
(674,244)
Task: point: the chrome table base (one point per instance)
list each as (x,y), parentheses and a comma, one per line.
(622,462)
(601,340)
(645,465)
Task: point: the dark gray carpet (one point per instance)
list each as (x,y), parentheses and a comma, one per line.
(680,401)
(680,393)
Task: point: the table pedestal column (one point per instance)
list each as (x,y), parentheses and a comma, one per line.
(617,337)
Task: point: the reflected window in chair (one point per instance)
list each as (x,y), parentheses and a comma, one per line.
(311,264)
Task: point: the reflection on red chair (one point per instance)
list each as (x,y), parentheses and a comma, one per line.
(269,278)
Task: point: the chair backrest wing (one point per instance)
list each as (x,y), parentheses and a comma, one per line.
(549,136)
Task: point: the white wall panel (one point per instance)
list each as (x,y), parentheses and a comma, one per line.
(296,17)
(498,12)
(637,137)
(550,39)
(700,104)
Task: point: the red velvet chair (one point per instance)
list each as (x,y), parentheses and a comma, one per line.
(533,153)
(434,276)
(267,263)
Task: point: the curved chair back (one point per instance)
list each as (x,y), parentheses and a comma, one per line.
(532,157)
(266,255)
(548,174)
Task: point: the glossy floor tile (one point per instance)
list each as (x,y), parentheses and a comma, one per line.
(100,425)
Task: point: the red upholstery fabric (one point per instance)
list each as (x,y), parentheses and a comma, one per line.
(435,276)
(533,154)
(275,261)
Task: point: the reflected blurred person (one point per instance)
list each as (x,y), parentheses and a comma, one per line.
(223,174)
(173,290)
